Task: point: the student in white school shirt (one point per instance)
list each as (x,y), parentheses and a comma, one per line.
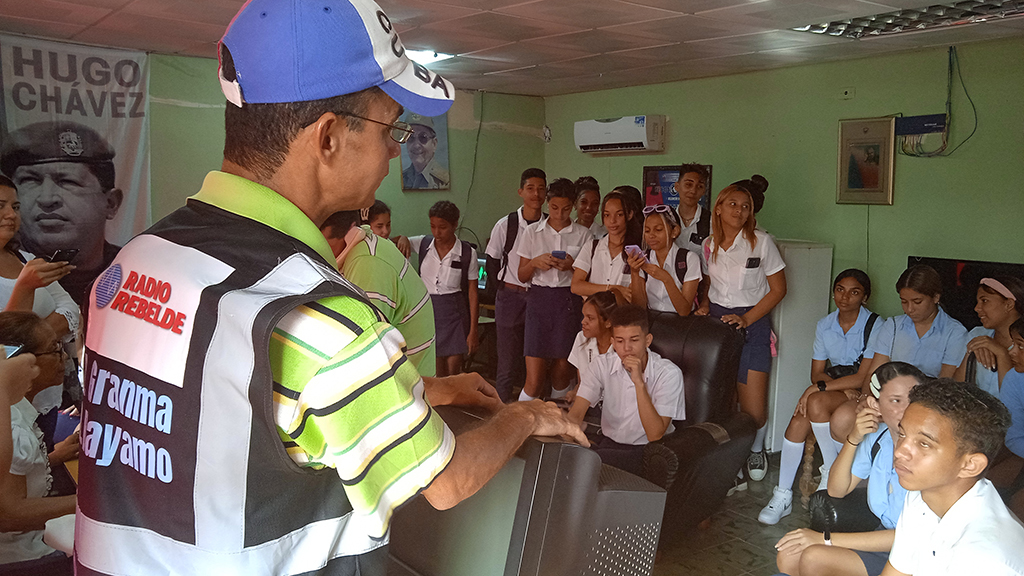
(664,280)
(588,204)
(595,337)
(553,312)
(456,314)
(953,521)
(642,392)
(747,282)
(602,263)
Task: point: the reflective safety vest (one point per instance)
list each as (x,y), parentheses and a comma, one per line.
(182,468)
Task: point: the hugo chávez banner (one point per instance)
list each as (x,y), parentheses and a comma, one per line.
(74,138)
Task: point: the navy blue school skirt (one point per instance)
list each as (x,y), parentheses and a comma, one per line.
(451,324)
(757,350)
(553,318)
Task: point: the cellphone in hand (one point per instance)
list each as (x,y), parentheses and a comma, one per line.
(12,351)
(62,255)
(634,250)
(560,254)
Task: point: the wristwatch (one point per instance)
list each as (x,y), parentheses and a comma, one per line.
(821,385)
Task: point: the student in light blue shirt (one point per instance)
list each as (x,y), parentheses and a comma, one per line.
(1007,472)
(924,336)
(806,552)
(1000,304)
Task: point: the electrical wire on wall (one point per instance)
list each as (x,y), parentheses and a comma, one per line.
(472,176)
(912,144)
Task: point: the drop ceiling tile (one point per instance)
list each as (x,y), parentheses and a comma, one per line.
(684,29)
(498,27)
(51,11)
(838,51)
(585,13)
(141,40)
(477,4)
(682,51)
(689,6)
(202,50)
(596,41)
(528,53)
(42,28)
(793,13)
(219,13)
(601,63)
(423,39)
(138,27)
(461,65)
(417,13)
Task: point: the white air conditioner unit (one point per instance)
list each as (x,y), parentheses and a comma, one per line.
(626,134)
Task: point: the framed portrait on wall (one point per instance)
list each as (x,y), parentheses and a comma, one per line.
(425,154)
(659,186)
(866,148)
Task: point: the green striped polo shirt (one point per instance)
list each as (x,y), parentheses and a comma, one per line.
(346,395)
(390,282)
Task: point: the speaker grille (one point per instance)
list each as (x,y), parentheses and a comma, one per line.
(622,551)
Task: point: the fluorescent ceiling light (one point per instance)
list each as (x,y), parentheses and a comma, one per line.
(427,56)
(918,19)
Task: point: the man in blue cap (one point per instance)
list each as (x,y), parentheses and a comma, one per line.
(247,410)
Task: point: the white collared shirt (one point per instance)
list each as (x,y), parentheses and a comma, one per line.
(739,276)
(540,238)
(598,230)
(602,267)
(689,233)
(583,354)
(29,461)
(496,246)
(657,294)
(443,275)
(977,535)
(620,417)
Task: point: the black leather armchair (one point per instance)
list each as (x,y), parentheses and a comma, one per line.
(697,463)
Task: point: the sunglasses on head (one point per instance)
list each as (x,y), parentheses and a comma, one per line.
(660,209)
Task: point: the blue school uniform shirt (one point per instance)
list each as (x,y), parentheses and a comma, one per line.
(988,380)
(885,495)
(839,348)
(1013,397)
(945,342)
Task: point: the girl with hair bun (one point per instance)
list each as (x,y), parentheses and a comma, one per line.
(1000,304)
(746,282)
(595,337)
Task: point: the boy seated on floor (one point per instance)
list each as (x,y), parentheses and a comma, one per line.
(642,392)
(953,521)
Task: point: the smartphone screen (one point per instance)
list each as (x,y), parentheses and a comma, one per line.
(12,351)
(63,255)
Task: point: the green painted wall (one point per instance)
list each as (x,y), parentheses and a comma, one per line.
(784,124)
(187,139)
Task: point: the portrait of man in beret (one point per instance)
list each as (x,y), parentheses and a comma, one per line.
(64,174)
(423,168)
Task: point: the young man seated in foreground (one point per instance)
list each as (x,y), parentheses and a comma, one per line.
(953,521)
(642,392)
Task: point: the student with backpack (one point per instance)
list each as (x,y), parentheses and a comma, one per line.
(664,279)
(449,269)
(503,269)
(553,312)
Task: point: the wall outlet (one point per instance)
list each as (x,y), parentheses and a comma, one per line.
(847,93)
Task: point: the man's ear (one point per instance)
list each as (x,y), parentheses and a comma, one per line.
(972,465)
(114,198)
(328,134)
(650,338)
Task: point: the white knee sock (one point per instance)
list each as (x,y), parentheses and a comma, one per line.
(759,439)
(792,454)
(524,397)
(556,393)
(825,443)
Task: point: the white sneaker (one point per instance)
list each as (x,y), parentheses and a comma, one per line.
(780,506)
(757,465)
(823,484)
(738,485)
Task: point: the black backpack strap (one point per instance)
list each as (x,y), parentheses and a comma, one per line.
(424,246)
(867,336)
(19,255)
(875,448)
(467,252)
(511,232)
(681,264)
(593,252)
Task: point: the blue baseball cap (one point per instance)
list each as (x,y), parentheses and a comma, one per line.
(300,50)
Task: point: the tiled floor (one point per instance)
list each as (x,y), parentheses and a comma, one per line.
(735,544)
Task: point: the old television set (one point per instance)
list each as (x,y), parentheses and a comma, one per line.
(553,509)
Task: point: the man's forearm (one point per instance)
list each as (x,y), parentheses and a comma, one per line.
(876,541)
(479,455)
(653,423)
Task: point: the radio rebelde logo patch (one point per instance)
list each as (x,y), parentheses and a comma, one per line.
(141,296)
